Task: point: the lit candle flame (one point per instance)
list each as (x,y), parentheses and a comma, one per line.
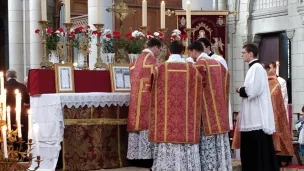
(8,109)
(16,91)
(29,111)
(1,74)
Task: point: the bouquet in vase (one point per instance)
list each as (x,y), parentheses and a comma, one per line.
(52,38)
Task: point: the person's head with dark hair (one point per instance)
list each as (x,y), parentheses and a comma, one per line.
(11,74)
(206,45)
(273,65)
(154,45)
(176,47)
(196,49)
(266,66)
(249,52)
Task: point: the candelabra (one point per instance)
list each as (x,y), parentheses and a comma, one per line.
(68,27)
(16,154)
(45,61)
(99,63)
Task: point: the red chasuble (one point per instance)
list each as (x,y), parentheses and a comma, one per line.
(215,96)
(176,104)
(140,74)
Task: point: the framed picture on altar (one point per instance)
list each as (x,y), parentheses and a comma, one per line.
(64,78)
(120,78)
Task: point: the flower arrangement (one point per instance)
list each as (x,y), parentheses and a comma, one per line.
(136,42)
(81,38)
(112,40)
(52,38)
(177,35)
(158,35)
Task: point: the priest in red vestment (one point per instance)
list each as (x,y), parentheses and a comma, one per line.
(214,144)
(176,114)
(141,74)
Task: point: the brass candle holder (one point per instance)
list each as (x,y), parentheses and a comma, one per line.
(188,41)
(45,61)
(69,58)
(163,30)
(99,63)
(16,155)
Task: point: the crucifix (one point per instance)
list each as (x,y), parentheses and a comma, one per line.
(121,11)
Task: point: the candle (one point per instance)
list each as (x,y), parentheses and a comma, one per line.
(67,11)
(188,14)
(36,130)
(4,141)
(1,82)
(277,69)
(98,11)
(43,10)
(144,13)
(30,136)
(162,15)
(18,112)
(9,119)
(4,105)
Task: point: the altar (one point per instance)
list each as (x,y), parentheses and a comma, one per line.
(91,127)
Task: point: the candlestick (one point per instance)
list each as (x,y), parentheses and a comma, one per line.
(99,63)
(43,10)
(277,68)
(45,61)
(4,105)
(67,11)
(36,130)
(1,82)
(9,119)
(144,13)
(188,14)
(4,141)
(30,136)
(98,11)
(69,43)
(162,15)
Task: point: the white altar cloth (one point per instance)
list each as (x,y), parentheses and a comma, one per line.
(47,113)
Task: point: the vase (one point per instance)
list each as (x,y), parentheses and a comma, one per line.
(53,57)
(132,57)
(108,58)
(80,60)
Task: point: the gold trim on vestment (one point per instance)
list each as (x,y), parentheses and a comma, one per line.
(225,89)
(155,104)
(187,101)
(166,101)
(95,121)
(274,88)
(172,70)
(195,101)
(213,99)
(138,111)
(207,113)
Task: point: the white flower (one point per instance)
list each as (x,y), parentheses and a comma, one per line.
(150,37)
(140,34)
(72,30)
(156,34)
(178,32)
(57,32)
(107,31)
(134,33)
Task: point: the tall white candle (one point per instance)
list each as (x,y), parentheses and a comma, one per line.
(1,82)
(67,11)
(98,11)
(43,10)
(30,136)
(188,14)
(277,69)
(9,119)
(162,15)
(36,131)
(4,141)
(4,105)
(144,13)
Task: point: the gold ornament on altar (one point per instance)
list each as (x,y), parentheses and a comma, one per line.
(121,10)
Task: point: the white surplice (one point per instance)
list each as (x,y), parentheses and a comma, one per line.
(284,93)
(176,157)
(256,111)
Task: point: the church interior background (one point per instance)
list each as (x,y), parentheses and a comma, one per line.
(275,26)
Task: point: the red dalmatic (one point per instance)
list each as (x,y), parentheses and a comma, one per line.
(140,96)
(176,104)
(215,96)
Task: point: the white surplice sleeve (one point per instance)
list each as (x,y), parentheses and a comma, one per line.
(253,86)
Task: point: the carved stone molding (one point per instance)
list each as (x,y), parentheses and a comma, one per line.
(290,33)
(300,9)
(79,21)
(255,39)
(269,12)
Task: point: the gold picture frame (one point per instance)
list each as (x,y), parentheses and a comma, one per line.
(64,78)
(120,78)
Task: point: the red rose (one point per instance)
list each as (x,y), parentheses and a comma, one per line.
(174,37)
(116,34)
(132,38)
(60,30)
(99,34)
(149,37)
(108,36)
(149,33)
(88,27)
(49,30)
(160,34)
(72,34)
(79,29)
(128,34)
(95,32)
(183,36)
(37,31)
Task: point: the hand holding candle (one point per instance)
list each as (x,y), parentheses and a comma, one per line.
(36,131)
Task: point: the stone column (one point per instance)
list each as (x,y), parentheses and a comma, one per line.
(15,26)
(36,46)
(222,5)
(106,19)
(215,4)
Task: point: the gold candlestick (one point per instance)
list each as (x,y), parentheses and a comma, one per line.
(45,61)
(188,41)
(69,58)
(163,30)
(99,63)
